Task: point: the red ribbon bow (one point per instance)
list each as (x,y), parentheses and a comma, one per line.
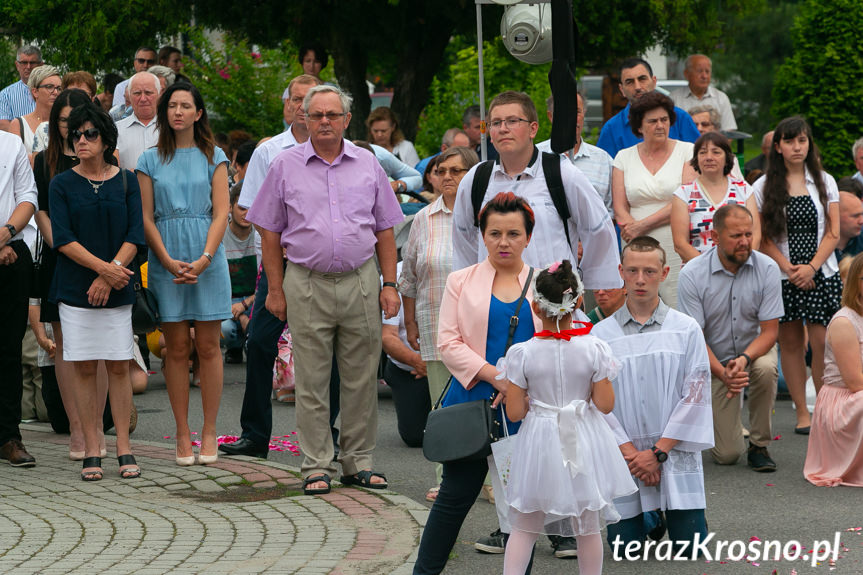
(566,334)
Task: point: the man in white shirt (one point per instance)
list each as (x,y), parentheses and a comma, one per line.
(513,123)
(697,71)
(138,131)
(662,416)
(594,163)
(18,203)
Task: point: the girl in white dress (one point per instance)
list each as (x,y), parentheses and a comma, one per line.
(566,467)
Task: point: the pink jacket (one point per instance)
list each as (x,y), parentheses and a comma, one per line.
(463,323)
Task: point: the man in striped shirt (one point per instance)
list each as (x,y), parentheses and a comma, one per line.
(15,99)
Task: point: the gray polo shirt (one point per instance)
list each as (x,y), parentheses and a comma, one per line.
(730,307)
(629,326)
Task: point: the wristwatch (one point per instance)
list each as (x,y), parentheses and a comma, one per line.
(401,187)
(391,284)
(12,230)
(661,456)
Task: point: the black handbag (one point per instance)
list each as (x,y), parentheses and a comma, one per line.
(145,310)
(465,431)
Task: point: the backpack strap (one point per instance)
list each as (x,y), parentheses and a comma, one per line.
(481,177)
(554,181)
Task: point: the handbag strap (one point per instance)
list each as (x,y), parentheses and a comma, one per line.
(513,324)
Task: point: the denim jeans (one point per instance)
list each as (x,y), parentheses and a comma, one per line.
(682,524)
(232,333)
(459,489)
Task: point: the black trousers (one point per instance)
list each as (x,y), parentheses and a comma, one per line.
(256,416)
(14,301)
(459,489)
(411,399)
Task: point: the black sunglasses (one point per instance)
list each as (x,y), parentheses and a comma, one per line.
(90,134)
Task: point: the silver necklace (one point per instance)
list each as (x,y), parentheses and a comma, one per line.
(100,184)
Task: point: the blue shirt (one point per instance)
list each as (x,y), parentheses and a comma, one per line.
(499,314)
(617,133)
(16,101)
(852,248)
(101,222)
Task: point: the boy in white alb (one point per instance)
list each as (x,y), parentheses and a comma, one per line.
(662,417)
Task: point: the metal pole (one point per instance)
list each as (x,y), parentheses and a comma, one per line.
(483,153)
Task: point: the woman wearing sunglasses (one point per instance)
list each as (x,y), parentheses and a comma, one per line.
(184,187)
(97,227)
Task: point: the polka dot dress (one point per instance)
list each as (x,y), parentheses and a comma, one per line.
(816,305)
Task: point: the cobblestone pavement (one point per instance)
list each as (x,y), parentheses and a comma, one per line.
(240,515)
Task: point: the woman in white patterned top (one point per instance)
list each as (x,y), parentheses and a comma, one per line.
(694,204)
(427,261)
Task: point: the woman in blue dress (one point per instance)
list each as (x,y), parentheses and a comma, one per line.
(184,190)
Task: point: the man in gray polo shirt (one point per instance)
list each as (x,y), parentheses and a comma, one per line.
(735,295)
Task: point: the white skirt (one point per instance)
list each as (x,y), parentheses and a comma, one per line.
(97,333)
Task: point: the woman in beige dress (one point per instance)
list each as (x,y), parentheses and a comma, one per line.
(645,178)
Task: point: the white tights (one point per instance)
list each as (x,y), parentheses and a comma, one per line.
(520,546)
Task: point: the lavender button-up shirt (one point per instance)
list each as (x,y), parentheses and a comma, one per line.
(327,214)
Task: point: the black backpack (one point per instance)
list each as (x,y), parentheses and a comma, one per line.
(551,169)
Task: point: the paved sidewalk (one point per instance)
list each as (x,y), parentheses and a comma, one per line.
(240,515)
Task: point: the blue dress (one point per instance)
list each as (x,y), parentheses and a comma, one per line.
(499,314)
(183,211)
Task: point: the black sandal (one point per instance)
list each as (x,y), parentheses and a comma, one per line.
(314,479)
(364,479)
(132,472)
(92,475)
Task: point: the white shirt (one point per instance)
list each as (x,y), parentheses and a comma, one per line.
(133,137)
(830,266)
(256,172)
(662,390)
(595,164)
(120,93)
(589,222)
(17,184)
(684,98)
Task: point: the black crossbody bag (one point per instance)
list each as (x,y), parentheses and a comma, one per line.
(465,431)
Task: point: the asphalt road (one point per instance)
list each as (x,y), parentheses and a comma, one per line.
(741,504)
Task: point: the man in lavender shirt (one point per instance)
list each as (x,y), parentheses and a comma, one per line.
(329,205)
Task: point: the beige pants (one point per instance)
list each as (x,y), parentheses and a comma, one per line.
(32,405)
(727,433)
(337,312)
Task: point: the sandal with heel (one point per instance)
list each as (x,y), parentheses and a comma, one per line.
(129,472)
(95,475)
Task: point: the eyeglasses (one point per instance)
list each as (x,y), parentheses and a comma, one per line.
(90,134)
(331,116)
(510,123)
(139,93)
(442,172)
(29,63)
(148,61)
(51,88)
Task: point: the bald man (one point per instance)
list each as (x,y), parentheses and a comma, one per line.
(850,224)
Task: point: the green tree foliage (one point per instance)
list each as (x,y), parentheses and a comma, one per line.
(241,86)
(457,87)
(94,36)
(8,72)
(611,31)
(821,80)
(753,49)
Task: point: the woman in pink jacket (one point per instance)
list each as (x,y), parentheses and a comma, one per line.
(471,340)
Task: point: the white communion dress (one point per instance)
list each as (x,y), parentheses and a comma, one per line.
(566,466)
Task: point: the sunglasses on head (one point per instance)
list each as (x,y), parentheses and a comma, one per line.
(90,134)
